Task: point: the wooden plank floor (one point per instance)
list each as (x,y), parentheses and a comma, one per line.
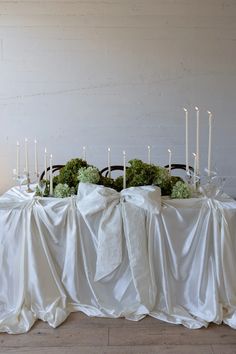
(84,335)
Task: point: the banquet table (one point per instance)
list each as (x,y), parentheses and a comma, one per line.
(110,254)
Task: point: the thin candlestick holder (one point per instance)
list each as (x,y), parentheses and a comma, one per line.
(28,190)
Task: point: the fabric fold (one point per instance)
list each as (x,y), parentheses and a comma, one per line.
(137,202)
(93,200)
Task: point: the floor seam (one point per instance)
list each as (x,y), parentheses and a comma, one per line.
(212,349)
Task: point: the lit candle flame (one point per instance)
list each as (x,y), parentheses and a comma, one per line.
(209,112)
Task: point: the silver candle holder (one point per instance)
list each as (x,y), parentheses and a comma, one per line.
(28,190)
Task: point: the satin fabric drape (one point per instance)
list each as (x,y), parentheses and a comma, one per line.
(112,254)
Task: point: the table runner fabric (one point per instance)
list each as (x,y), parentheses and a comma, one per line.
(110,254)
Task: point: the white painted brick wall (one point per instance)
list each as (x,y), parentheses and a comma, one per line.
(117,72)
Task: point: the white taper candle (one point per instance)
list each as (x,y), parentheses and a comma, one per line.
(45,164)
(26,157)
(36,170)
(186,139)
(149,154)
(109,161)
(209,143)
(195,171)
(84,153)
(197,141)
(51,184)
(124,174)
(170,157)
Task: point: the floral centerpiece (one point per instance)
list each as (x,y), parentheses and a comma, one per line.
(138,173)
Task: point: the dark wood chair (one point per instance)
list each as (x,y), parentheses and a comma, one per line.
(105,171)
(178,166)
(175,166)
(54,169)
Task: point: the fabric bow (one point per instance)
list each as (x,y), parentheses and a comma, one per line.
(95,199)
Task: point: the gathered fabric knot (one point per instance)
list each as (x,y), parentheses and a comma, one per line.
(115,220)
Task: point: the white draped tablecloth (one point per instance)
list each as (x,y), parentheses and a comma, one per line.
(110,254)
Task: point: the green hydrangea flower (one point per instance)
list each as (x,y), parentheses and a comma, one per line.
(68,174)
(62,191)
(118,184)
(162,179)
(139,173)
(107,182)
(89,175)
(181,191)
(175,179)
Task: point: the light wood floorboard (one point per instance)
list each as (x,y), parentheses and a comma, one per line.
(224,349)
(201,349)
(87,335)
